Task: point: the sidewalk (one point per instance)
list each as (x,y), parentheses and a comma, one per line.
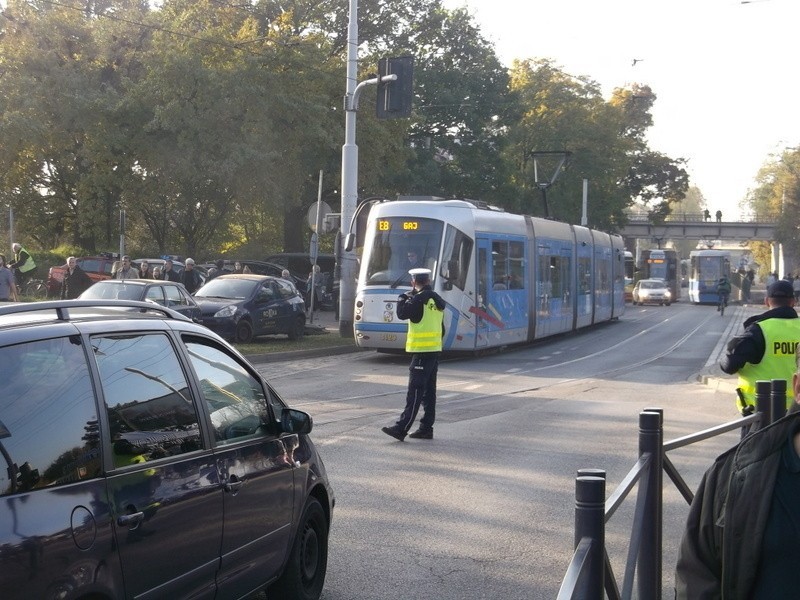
(322,319)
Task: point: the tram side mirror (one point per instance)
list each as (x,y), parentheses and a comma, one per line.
(349,242)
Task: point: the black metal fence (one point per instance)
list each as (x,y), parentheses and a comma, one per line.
(589,575)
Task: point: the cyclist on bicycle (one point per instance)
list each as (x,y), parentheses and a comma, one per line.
(23,265)
(724,291)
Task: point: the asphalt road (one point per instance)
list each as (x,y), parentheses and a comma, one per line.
(486,509)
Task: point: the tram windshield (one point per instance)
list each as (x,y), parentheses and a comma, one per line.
(400,244)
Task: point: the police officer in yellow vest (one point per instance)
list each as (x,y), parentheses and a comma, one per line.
(424,310)
(766,349)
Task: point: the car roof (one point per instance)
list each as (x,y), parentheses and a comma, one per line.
(31,313)
(137,281)
(247,276)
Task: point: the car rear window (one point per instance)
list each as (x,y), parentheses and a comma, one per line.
(48,417)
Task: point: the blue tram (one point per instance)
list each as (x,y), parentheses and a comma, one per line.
(506,278)
(705,269)
(662,264)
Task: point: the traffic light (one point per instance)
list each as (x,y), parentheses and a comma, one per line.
(394,97)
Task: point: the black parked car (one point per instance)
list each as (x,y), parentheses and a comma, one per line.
(259,267)
(166,293)
(240,307)
(144,457)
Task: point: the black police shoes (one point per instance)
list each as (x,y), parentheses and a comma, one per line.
(422,434)
(394,432)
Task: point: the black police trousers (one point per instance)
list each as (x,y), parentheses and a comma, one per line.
(421,391)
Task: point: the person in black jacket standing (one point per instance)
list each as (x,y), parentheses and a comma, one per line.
(742,537)
(191,278)
(75,281)
(424,310)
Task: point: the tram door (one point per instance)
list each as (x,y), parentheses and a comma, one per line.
(502,297)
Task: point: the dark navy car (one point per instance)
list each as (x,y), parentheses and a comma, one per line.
(240,307)
(143,457)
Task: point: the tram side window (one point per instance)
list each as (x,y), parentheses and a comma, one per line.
(500,265)
(584,276)
(544,286)
(564,266)
(516,265)
(555,276)
(508,265)
(457,253)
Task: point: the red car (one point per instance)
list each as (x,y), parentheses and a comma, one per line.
(97,267)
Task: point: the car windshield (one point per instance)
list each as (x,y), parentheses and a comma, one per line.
(652,285)
(114,290)
(233,289)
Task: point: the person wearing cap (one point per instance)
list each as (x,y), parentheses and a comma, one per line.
(190,278)
(424,310)
(766,348)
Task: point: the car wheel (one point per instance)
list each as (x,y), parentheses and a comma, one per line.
(244,332)
(305,571)
(298,329)
(668,303)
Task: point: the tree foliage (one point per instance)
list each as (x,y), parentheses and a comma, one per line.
(209,122)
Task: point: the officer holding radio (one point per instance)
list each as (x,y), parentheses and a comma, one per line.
(424,310)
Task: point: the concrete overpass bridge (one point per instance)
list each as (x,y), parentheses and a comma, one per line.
(692,226)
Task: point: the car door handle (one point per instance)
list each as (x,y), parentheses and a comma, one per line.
(233,486)
(133,520)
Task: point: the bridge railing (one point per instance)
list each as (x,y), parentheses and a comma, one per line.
(589,575)
(699,217)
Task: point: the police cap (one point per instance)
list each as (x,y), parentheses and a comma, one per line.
(780,289)
(420,275)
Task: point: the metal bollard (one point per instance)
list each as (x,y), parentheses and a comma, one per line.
(651,441)
(590,523)
(778,400)
(763,404)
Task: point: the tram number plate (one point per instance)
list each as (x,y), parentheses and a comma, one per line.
(388,337)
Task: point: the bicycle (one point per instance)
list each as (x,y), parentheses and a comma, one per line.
(36,288)
(723,302)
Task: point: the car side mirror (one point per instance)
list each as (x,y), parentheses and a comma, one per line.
(296,421)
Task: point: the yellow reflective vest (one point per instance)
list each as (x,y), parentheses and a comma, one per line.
(426,336)
(781,337)
(29,264)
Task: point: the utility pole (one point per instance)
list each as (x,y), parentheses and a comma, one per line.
(347,284)
(394,83)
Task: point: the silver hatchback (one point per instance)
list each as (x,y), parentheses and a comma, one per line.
(651,291)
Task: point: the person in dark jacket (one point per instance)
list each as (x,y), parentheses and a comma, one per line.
(765,349)
(168,273)
(190,278)
(75,281)
(424,310)
(742,536)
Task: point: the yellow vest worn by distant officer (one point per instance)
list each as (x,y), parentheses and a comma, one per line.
(29,264)
(426,336)
(781,337)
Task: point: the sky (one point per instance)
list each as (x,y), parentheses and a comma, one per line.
(726,74)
